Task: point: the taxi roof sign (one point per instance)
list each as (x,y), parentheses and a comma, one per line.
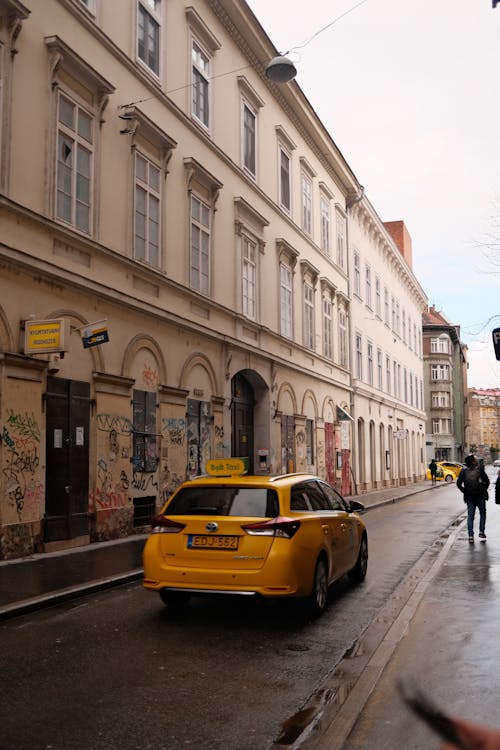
(224,467)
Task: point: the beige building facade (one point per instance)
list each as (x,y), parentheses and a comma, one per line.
(174,272)
(484,429)
(387,367)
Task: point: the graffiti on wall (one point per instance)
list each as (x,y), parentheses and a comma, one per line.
(20,471)
(174,431)
(150,376)
(112,482)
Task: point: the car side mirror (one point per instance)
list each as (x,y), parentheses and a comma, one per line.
(354,505)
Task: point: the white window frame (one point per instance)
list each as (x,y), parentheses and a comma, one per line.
(359,356)
(388,374)
(150,11)
(440,399)
(341,234)
(250,168)
(440,345)
(200,80)
(404,325)
(387,319)
(285,178)
(369,355)
(380,369)
(327,327)
(200,254)
(326,224)
(68,178)
(342,324)
(150,188)
(249,255)
(440,372)
(378,298)
(286,301)
(308,312)
(306,192)
(357,275)
(368,286)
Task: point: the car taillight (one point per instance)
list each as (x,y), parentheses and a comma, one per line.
(279,526)
(164,525)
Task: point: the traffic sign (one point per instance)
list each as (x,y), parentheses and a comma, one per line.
(496,341)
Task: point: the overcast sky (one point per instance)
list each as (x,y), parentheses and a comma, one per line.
(410,93)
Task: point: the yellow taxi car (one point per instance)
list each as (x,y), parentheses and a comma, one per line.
(447,471)
(275,536)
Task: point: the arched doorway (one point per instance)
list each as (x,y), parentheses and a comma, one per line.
(242,407)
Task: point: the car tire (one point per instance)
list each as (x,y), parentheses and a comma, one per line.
(358,573)
(318,598)
(177,599)
(448,478)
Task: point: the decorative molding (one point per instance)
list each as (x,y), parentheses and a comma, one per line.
(201,29)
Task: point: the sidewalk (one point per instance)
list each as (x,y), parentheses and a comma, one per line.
(40,580)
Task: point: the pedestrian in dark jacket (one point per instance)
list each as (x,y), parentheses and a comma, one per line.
(433,467)
(474,482)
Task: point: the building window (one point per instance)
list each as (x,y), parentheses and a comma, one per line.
(343,338)
(200,84)
(308,316)
(388,374)
(359,357)
(249,139)
(200,246)
(327,328)
(75,138)
(440,345)
(378,300)
(411,389)
(148,34)
(398,318)
(309,441)
(386,307)
(249,276)
(357,275)
(441,426)
(440,399)
(440,372)
(325,224)
(405,385)
(147,211)
(370,362)
(379,369)
(306,184)
(340,240)
(415,338)
(368,286)
(285,176)
(286,297)
(409,332)
(144,438)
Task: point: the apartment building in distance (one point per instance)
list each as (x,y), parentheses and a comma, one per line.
(387,303)
(445,388)
(174,272)
(484,419)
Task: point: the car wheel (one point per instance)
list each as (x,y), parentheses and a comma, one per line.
(358,573)
(448,478)
(319,593)
(176,599)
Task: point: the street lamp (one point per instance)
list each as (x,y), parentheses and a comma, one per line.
(281,69)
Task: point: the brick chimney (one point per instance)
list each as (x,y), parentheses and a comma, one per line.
(399,234)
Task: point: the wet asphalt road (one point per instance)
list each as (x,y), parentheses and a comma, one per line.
(451,650)
(118,670)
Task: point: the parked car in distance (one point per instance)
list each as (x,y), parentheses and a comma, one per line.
(272,536)
(447,471)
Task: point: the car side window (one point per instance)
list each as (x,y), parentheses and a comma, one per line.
(298,499)
(335,500)
(316,497)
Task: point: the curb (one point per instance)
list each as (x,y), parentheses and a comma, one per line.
(73,592)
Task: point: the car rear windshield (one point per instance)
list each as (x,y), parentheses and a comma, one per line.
(224,501)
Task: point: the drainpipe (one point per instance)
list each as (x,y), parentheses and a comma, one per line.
(349,204)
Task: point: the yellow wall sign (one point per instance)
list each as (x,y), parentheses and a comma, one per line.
(223,467)
(45,336)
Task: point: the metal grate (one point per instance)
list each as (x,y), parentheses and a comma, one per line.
(144,509)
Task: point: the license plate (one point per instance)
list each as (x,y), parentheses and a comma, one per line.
(204,541)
